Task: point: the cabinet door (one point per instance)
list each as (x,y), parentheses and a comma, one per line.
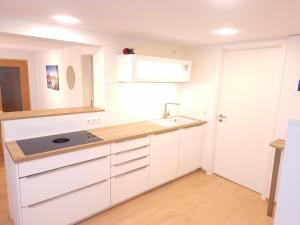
(43,186)
(69,208)
(190,149)
(163,158)
(129,184)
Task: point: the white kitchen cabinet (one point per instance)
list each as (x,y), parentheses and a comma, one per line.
(69,208)
(129,184)
(124,167)
(43,186)
(138,68)
(190,149)
(136,153)
(59,189)
(66,188)
(41,165)
(129,168)
(164,149)
(129,145)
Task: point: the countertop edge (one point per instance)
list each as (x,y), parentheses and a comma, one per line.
(13,146)
(5,116)
(278,144)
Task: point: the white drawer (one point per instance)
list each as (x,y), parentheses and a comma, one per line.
(128,166)
(61,160)
(128,155)
(69,208)
(131,144)
(43,186)
(129,184)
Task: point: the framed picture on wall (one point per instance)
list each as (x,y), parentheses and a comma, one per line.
(52,77)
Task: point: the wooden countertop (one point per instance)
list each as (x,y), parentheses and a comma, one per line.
(278,144)
(47,112)
(108,134)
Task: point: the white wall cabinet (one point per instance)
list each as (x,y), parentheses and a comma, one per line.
(138,68)
(164,150)
(190,149)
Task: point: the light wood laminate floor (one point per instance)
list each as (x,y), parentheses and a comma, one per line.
(196,199)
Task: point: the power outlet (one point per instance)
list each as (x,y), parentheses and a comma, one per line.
(93,120)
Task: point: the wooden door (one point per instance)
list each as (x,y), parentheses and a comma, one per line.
(15,85)
(14,91)
(249,92)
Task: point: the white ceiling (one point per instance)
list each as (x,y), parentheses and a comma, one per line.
(184,22)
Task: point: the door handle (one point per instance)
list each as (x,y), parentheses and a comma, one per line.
(221,117)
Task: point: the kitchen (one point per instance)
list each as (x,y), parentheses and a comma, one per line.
(225,90)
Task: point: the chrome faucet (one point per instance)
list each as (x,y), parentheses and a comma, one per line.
(166,112)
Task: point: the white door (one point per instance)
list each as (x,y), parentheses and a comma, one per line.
(250,86)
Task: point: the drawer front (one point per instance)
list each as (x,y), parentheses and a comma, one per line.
(131,154)
(43,186)
(69,208)
(131,144)
(128,166)
(61,160)
(129,184)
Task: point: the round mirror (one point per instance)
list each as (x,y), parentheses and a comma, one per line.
(70,77)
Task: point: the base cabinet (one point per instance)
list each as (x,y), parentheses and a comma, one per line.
(43,192)
(190,149)
(69,208)
(163,158)
(128,185)
(40,187)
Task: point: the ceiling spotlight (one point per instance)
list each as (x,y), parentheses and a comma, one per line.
(66,19)
(226,31)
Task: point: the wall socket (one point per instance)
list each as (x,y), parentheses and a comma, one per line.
(93,120)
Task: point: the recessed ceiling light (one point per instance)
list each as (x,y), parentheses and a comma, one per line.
(226,31)
(66,19)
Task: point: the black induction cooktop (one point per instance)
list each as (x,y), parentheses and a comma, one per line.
(49,143)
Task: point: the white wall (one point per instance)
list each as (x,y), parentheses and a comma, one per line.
(290,98)
(87,79)
(143,101)
(124,102)
(129,102)
(49,98)
(198,99)
(41,96)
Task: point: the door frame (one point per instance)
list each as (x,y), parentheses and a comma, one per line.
(214,124)
(22,64)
